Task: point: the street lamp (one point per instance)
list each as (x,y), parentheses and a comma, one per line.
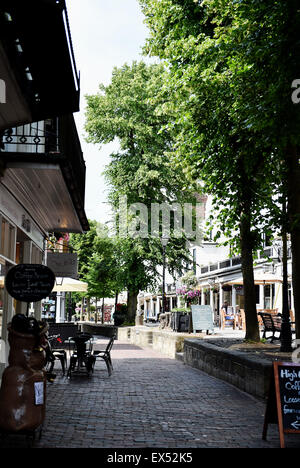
(286,333)
(164,242)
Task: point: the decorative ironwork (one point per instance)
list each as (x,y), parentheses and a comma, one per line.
(57,138)
(38,137)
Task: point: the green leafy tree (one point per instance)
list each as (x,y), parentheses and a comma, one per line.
(263,51)
(226,131)
(84,245)
(142,170)
(98,261)
(265,38)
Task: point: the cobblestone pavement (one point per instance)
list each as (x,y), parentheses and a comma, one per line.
(151,401)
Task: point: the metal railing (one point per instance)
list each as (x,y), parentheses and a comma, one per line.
(222,265)
(37,137)
(53,138)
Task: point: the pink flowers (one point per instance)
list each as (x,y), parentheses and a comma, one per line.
(181,292)
(194,293)
(189,295)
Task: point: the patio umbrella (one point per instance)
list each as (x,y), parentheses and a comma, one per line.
(69,285)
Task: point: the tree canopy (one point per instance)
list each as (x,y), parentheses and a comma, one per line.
(132,109)
(230,80)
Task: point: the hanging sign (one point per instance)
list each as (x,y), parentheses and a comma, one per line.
(64,265)
(29,282)
(283,406)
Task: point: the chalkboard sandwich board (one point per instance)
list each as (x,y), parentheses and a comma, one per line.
(283,406)
(202,317)
(29,282)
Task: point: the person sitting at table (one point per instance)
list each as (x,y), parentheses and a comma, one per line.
(227,313)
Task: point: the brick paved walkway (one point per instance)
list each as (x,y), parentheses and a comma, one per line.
(151,401)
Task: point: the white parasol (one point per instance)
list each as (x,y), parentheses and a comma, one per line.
(69,285)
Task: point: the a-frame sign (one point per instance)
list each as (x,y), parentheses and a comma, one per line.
(283,405)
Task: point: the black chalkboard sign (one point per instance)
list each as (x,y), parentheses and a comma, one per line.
(29,282)
(202,317)
(283,405)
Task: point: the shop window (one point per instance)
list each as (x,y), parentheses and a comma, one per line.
(36,255)
(7,244)
(18,252)
(49,308)
(269,296)
(26,250)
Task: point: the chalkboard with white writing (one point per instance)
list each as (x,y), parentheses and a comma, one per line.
(288,376)
(202,317)
(29,282)
(283,405)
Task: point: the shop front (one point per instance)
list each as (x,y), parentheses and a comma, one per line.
(20,242)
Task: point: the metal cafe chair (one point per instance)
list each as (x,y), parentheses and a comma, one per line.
(54,353)
(105,355)
(81,358)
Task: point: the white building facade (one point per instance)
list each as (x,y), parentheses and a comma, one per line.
(219,279)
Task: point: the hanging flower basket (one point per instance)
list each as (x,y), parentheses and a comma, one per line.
(190,296)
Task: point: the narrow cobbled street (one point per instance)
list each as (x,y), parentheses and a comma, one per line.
(151,401)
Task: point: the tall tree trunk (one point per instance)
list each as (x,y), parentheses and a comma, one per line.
(246,242)
(116,299)
(89,309)
(247,246)
(96,314)
(132,305)
(294,221)
(102,311)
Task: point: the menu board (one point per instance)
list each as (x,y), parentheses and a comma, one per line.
(283,404)
(29,282)
(202,317)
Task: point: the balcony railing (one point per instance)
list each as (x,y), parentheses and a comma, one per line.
(223,265)
(37,137)
(53,139)
(268,252)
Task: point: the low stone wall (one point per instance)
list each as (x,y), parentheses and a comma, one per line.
(250,374)
(136,335)
(166,342)
(97,329)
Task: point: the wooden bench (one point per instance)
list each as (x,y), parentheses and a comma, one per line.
(267,311)
(272,324)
